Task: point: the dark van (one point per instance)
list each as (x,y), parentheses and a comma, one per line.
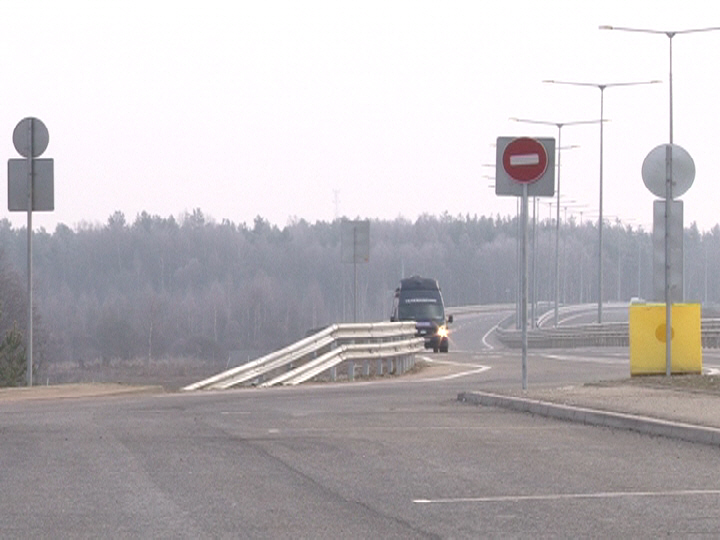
(419,299)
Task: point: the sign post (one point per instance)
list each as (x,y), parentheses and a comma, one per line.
(525,166)
(355,249)
(30,187)
(668,171)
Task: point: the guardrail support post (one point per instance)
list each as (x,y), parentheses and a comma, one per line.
(366,368)
(379,367)
(351,370)
(333,373)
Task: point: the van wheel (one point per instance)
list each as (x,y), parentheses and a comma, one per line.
(444,346)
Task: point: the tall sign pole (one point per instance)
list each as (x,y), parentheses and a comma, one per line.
(668,210)
(524,286)
(29,184)
(30,187)
(668,171)
(355,246)
(524,167)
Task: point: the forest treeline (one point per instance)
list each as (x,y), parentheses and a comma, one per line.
(191,287)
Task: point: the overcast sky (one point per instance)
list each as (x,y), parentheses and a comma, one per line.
(370,109)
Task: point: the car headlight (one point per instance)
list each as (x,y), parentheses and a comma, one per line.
(442,331)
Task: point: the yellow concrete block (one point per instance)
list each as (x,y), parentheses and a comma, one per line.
(647,339)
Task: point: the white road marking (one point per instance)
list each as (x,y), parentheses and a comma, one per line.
(476,369)
(519,160)
(571,496)
(579,359)
(484,339)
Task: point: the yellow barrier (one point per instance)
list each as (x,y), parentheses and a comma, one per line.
(648,336)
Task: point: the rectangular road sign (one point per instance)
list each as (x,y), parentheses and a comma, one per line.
(544,186)
(355,241)
(675,240)
(43,185)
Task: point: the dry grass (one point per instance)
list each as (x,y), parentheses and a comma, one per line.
(170,373)
(708,384)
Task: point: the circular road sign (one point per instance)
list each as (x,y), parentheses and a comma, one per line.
(21,137)
(525,160)
(654,170)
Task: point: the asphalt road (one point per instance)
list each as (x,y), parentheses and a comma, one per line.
(397,458)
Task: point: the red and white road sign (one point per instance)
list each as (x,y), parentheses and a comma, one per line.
(525,160)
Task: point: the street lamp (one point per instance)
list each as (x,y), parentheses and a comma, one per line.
(670,34)
(559,126)
(572,204)
(602,87)
(517,245)
(668,185)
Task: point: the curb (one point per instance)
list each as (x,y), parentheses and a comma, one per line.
(595,417)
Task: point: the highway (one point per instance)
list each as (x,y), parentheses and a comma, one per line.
(392,458)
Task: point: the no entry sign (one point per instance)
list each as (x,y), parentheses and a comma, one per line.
(525,161)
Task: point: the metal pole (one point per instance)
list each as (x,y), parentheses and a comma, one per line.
(705,298)
(557,228)
(600,219)
(518,263)
(582,264)
(564,259)
(668,299)
(670,81)
(639,263)
(524,295)
(533,300)
(602,88)
(668,207)
(29,374)
(557,223)
(354,273)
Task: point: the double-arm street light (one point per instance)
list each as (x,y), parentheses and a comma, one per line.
(534,302)
(601,87)
(670,34)
(669,180)
(559,126)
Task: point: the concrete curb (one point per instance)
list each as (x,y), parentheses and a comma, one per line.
(595,417)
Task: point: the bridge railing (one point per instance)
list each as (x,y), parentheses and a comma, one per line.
(392,346)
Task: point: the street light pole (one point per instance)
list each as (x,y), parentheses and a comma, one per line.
(670,34)
(669,180)
(601,87)
(559,126)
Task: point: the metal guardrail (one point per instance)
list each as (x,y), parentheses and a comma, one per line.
(590,335)
(323,352)
(351,353)
(395,343)
(594,335)
(482,308)
(568,310)
(710,333)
